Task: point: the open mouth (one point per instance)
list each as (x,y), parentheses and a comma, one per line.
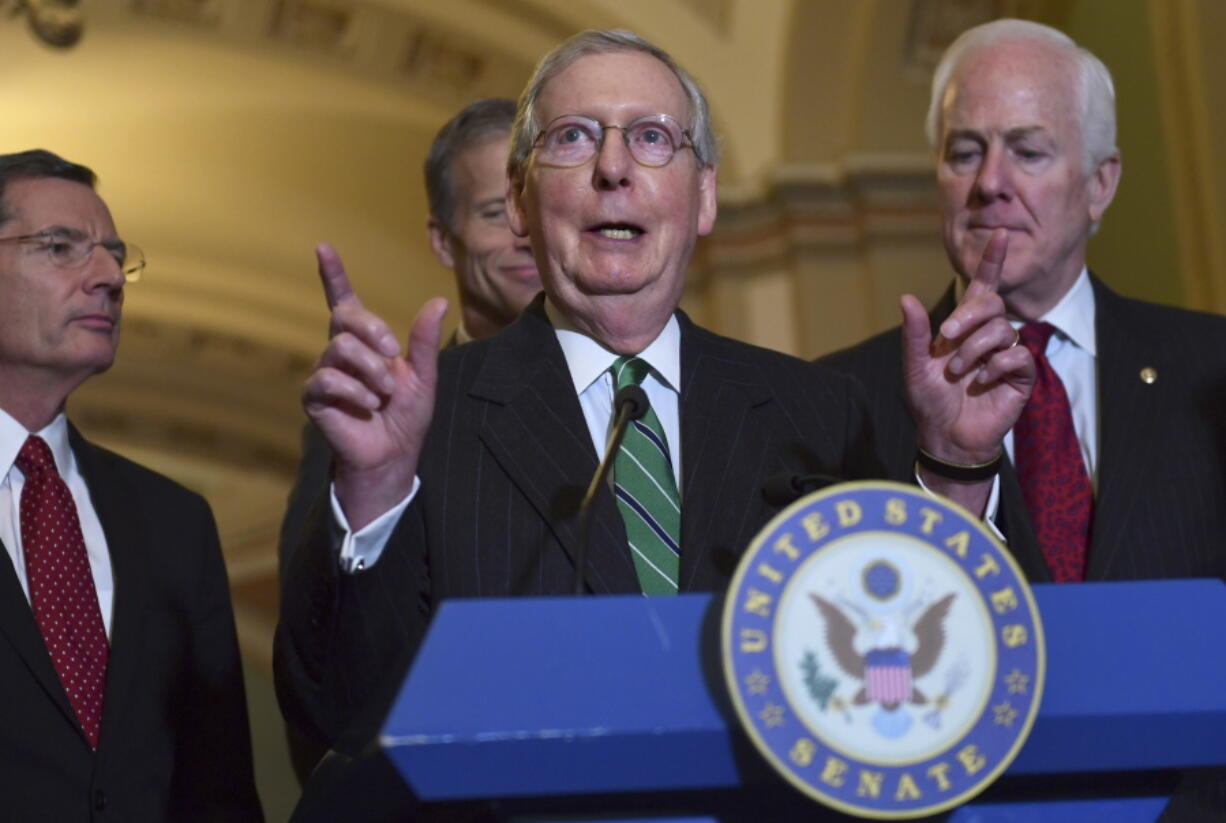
(618,231)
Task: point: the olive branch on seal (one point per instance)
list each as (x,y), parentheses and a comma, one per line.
(820,686)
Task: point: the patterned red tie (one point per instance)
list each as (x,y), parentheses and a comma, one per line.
(1050,468)
(62,589)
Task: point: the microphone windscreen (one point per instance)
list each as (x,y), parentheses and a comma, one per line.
(634,399)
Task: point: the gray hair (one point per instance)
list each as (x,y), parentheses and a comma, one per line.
(1095,90)
(474,123)
(527,129)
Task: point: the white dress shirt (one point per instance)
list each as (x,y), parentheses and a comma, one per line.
(12,437)
(588,362)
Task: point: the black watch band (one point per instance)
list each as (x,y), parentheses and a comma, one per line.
(960,471)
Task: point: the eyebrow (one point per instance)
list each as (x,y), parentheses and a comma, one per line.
(1018,133)
(67,231)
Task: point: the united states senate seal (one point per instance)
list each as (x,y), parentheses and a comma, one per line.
(883,650)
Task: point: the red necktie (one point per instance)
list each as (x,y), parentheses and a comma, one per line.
(1050,468)
(62,589)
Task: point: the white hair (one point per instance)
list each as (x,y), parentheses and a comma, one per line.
(1095,90)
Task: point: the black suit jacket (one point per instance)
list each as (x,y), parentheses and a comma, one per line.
(1162,445)
(507,460)
(174,742)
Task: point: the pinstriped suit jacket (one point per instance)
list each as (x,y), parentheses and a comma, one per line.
(1162,445)
(507,460)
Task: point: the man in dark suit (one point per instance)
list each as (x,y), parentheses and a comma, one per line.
(121,694)
(465,175)
(1023,123)
(459,474)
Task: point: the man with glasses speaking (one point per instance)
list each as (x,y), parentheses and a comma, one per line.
(459,474)
(120,687)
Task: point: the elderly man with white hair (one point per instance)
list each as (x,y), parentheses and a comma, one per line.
(1116,464)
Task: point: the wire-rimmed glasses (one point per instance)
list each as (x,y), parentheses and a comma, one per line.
(69,249)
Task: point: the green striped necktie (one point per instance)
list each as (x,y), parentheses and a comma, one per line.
(646,492)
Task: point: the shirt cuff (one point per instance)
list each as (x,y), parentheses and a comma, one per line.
(360,550)
(989,511)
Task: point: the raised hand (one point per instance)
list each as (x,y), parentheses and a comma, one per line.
(372,404)
(969,385)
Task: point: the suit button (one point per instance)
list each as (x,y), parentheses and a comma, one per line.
(99,800)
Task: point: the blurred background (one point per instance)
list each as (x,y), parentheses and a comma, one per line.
(230,136)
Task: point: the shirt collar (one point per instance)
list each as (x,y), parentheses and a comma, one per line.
(588,359)
(13,436)
(1073,316)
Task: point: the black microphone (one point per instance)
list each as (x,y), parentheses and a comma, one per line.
(630,403)
(782,489)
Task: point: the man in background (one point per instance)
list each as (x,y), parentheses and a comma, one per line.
(1116,465)
(120,687)
(1127,419)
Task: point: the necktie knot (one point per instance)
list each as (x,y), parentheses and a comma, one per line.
(629,370)
(1034,336)
(35,458)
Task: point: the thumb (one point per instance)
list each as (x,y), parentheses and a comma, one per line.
(422,348)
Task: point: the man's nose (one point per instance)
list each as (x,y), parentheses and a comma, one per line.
(103,271)
(613,161)
(994,179)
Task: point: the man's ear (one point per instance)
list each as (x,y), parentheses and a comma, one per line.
(517,217)
(707,200)
(1103,184)
(441,242)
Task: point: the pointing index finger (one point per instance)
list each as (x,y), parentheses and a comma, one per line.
(991,264)
(337,288)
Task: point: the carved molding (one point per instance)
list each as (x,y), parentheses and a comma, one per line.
(368,37)
(813,209)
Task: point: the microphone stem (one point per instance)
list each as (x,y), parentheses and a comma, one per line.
(602,473)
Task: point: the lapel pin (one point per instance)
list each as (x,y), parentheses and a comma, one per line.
(1149,375)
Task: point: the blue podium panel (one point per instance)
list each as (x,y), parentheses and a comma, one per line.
(557,696)
(1136,677)
(554,696)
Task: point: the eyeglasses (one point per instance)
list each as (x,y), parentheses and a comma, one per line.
(572,140)
(69,249)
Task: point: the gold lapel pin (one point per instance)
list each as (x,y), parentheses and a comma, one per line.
(1149,375)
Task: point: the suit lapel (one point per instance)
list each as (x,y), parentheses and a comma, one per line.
(533,425)
(117,505)
(1126,406)
(18,625)
(719,396)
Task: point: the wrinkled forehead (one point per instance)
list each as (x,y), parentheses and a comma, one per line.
(614,87)
(1013,85)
